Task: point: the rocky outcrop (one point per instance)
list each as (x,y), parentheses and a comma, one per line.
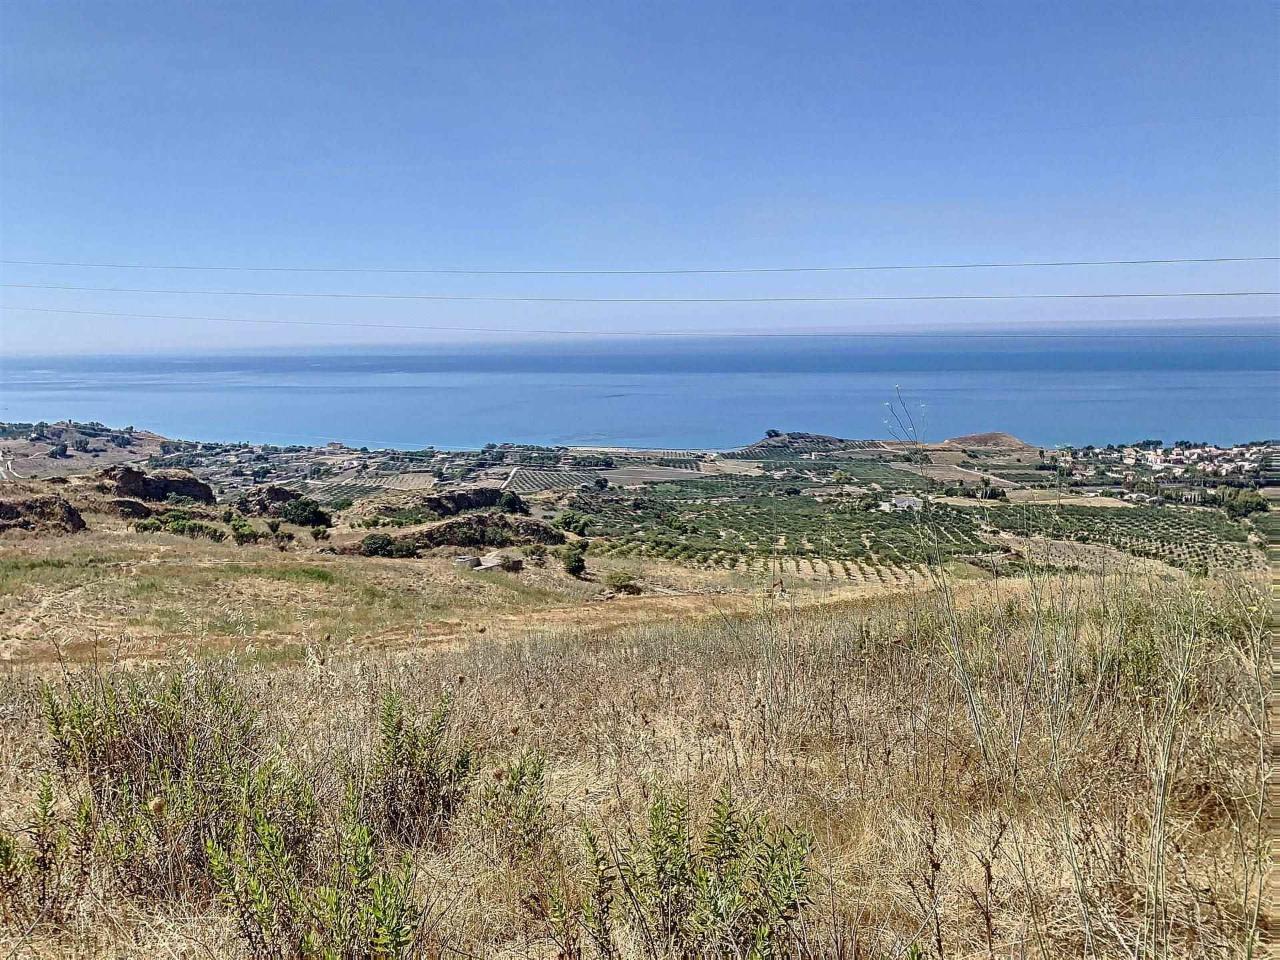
(487,530)
(131,483)
(48,514)
(267,501)
(420,507)
(128,509)
(473,530)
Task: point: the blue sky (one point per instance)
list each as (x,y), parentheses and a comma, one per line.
(609,135)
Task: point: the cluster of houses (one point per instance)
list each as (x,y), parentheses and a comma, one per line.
(1183,461)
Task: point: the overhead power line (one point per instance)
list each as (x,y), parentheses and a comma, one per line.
(718,335)
(444,271)
(656,300)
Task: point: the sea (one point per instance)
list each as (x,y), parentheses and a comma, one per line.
(1217,384)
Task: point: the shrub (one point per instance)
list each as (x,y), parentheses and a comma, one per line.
(382,545)
(512,503)
(305,512)
(418,778)
(735,891)
(574,522)
(242,531)
(41,878)
(514,807)
(180,523)
(169,770)
(620,581)
(574,558)
(354,909)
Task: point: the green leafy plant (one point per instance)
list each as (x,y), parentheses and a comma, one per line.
(418,777)
(351,908)
(514,806)
(573,556)
(735,890)
(169,769)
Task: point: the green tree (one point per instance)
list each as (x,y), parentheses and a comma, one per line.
(574,558)
(305,512)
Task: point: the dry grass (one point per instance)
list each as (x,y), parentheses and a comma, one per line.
(118,594)
(1065,766)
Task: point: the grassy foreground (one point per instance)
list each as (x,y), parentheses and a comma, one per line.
(1067,766)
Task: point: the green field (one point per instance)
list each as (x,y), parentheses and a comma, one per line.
(726,532)
(728,528)
(1183,537)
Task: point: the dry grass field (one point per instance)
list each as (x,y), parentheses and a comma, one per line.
(113,593)
(1043,767)
(1032,495)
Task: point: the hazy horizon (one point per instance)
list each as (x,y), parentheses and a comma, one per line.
(977,335)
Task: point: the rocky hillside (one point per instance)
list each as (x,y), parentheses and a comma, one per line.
(782,444)
(129,482)
(47,514)
(472,531)
(990,441)
(419,507)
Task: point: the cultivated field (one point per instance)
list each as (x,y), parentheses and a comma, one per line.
(537,480)
(724,533)
(1188,538)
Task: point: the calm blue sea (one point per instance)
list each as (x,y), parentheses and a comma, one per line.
(716,394)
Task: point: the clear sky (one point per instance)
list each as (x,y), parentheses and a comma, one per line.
(626,136)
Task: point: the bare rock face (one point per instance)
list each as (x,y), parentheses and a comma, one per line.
(133,484)
(48,514)
(267,501)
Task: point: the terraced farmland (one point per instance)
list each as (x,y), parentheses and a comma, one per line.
(538,479)
(719,486)
(638,473)
(410,480)
(339,490)
(1192,539)
(746,534)
(760,532)
(1024,475)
